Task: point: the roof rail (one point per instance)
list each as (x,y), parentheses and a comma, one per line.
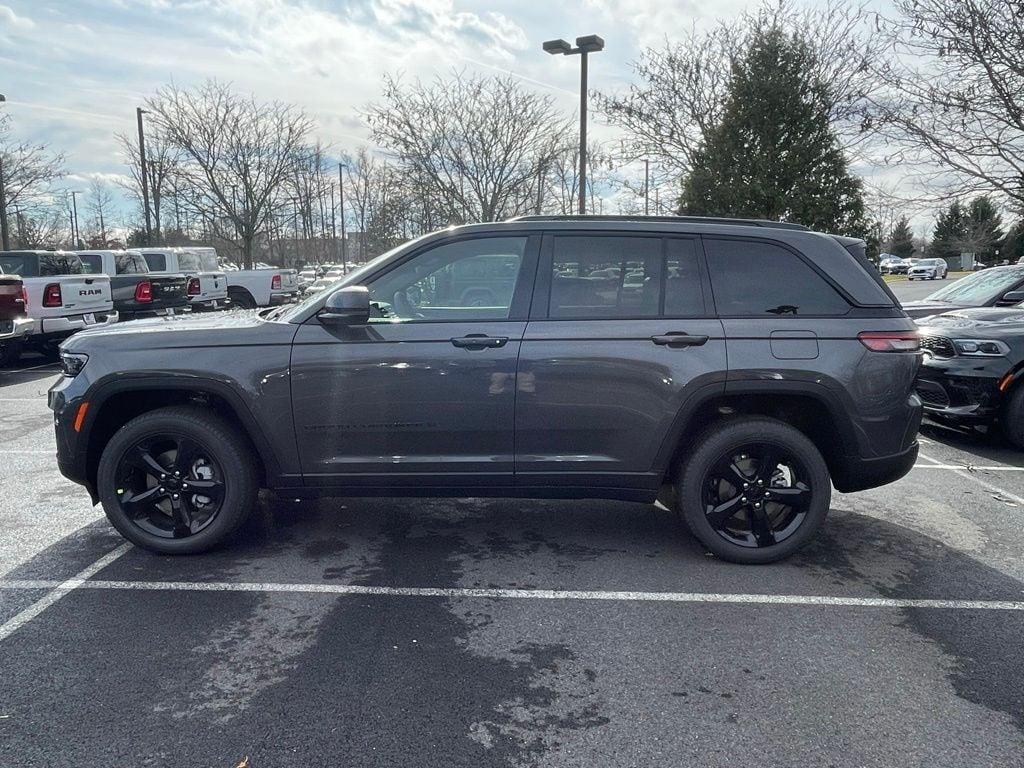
(671,219)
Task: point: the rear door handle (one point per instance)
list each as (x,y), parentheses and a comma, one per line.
(479,341)
(679,339)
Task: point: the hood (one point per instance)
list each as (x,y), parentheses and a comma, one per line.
(986,322)
(924,308)
(234,329)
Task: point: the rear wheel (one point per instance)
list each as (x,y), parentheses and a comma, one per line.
(242,299)
(177,480)
(754,490)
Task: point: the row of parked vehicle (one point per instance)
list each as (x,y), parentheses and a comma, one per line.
(914,269)
(45,296)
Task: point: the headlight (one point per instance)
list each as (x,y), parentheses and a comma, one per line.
(72,363)
(980,347)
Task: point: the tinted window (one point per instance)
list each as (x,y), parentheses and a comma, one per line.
(59,263)
(130,264)
(157,262)
(24,264)
(469,279)
(684,295)
(92,263)
(600,277)
(754,279)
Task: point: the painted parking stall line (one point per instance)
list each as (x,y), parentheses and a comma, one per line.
(58,590)
(516,594)
(978,481)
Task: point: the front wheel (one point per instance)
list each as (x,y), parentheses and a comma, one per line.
(177,480)
(754,490)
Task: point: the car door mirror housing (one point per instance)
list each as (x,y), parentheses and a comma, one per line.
(347,306)
(1012,297)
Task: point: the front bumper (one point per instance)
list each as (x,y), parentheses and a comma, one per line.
(962,388)
(12,330)
(60,327)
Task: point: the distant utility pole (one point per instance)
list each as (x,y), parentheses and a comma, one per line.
(76,233)
(5,239)
(341,213)
(647,187)
(139,112)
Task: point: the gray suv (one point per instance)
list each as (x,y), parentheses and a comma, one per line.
(733,369)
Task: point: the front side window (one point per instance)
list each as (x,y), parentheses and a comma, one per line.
(465,280)
(605,277)
(756,279)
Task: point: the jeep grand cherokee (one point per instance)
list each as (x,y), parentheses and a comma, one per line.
(735,369)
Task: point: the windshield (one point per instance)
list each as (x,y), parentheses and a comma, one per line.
(353,278)
(979,288)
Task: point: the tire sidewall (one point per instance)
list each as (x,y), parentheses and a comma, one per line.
(733,435)
(238,488)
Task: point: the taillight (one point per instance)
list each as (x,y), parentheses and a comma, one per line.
(890,341)
(193,286)
(275,283)
(51,296)
(24,298)
(144,292)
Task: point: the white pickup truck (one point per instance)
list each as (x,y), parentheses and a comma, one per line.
(61,297)
(250,288)
(207,283)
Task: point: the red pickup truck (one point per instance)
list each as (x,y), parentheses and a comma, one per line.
(14,325)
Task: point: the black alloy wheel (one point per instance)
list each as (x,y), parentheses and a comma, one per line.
(756,495)
(170,486)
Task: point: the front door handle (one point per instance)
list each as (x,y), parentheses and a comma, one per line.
(479,341)
(679,339)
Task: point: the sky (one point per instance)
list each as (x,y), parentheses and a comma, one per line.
(73,71)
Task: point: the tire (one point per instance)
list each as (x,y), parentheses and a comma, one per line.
(1011,420)
(224,462)
(242,299)
(800,473)
(10,353)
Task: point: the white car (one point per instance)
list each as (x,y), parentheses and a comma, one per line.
(928,269)
(61,297)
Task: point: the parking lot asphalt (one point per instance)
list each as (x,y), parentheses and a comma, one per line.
(471,632)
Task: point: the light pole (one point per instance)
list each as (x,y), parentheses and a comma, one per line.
(139,112)
(5,238)
(76,233)
(584,46)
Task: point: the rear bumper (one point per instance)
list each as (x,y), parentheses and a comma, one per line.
(207,304)
(859,474)
(277,299)
(59,327)
(131,313)
(19,328)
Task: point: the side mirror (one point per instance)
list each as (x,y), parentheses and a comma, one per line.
(1011,297)
(347,306)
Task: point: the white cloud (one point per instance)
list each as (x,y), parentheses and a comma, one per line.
(9,20)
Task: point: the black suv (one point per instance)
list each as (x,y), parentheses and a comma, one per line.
(736,369)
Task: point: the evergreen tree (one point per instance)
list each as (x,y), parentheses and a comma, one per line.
(950,232)
(901,239)
(774,154)
(1013,243)
(984,229)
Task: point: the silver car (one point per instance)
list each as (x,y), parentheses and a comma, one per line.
(928,269)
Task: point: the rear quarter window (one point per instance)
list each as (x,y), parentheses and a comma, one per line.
(756,279)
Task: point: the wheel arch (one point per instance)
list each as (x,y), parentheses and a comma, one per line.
(116,403)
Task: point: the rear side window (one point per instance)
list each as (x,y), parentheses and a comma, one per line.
(599,277)
(130,264)
(59,263)
(157,262)
(755,279)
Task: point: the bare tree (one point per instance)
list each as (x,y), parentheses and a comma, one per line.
(954,94)
(163,160)
(29,171)
(682,85)
(100,204)
(474,143)
(236,154)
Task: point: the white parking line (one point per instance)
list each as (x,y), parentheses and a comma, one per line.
(32,368)
(524,594)
(978,481)
(971,467)
(59,590)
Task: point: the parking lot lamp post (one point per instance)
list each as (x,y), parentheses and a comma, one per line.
(5,238)
(139,112)
(584,45)
(76,233)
